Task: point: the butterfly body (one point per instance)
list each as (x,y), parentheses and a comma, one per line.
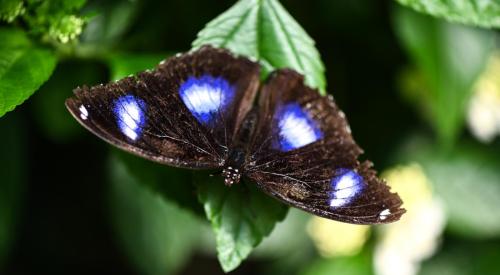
(208,110)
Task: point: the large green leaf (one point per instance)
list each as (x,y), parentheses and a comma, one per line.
(241,217)
(449,57)
(485,13)
(264,30)
(23,68)
(157,235)
(12,176)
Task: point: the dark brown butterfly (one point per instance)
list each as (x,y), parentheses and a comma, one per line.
(197,111)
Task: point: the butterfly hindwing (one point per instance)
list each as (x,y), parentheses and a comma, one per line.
(183,113)
(302,153)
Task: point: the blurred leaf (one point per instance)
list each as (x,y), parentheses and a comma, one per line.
(157,235)
(10,9)
(450,57)
(11,181)
(51,113)
(241,217)
(289,246)
(173,184)
(360,264)
(111,20)
(264,30)
(124,64)
(484,13)
(468,181)
(23,68)
(464,258)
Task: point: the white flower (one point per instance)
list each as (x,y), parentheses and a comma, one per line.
(483,114)
(404,244)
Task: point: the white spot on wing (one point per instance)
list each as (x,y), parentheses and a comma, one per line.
(296,129)
(345,187)
(383,215)
(84,114)
(129,116)
(205,96)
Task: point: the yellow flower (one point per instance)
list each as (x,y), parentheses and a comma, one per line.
(333,238)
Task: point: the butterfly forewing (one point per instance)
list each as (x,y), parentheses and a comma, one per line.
(184,113)
(302,153)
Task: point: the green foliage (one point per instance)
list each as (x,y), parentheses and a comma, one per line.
(23,68)
(241,217)
(157,236)
(264,30)
(10,9)
(484,13)
(55,20)
(449,58)
(152,206)
(12,162)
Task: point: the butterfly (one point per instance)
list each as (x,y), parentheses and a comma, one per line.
(207,109)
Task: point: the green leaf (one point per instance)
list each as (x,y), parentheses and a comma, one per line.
(450,58)
(484,13)
(157,235)
(12,179)
(241,216)
(124,64)
(23,68)
(264,30)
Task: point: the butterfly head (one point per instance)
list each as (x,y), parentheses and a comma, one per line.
(231,175)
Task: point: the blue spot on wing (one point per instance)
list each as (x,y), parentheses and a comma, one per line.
(206,96)
(129,112)
(296,127)
(346,185)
